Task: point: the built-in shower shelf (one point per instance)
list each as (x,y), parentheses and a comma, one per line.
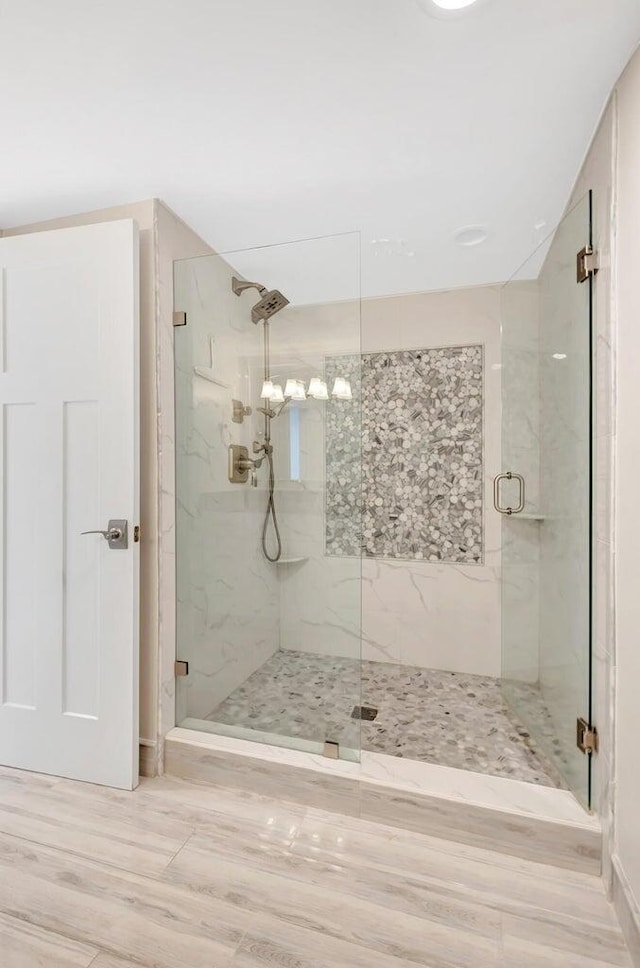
(290,561)
(208,372)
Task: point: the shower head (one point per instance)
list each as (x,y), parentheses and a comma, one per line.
(270,303)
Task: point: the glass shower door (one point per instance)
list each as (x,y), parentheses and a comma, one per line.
(268,494)
(544,496)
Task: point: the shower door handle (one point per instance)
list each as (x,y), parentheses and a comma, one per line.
(508,476)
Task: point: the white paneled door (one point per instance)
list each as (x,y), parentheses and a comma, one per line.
(69,444)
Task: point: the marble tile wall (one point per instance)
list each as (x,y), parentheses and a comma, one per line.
(227,593)
(320,598)
(174,241)
(565,491)
(408,451)
(521,453)
(411,610)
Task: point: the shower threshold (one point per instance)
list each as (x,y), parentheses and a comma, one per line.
(525,820)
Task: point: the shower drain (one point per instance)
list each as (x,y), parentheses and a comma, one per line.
(367,713)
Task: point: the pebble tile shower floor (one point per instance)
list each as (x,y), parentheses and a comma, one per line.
(438,717)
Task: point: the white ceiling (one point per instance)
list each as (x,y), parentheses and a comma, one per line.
(261,121)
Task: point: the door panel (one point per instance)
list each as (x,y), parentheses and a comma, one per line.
(70,453)
(546,549)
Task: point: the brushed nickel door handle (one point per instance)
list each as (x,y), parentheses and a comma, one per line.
(116,535)
(508,476)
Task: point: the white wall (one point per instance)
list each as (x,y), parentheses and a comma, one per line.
(627,803)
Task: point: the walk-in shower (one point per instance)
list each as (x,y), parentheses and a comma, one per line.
(366,592)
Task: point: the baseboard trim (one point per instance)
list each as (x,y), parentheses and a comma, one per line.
(559,844)
(148,762)
(627,910)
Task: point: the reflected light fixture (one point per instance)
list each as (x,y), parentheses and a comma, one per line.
(294,389)
(559,356)
(267,390)
(341,389)
(277,396)
(318,389)
(289,387)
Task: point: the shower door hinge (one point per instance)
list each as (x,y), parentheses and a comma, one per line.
(179,319)
(587,737)
(181,668)
(587,263)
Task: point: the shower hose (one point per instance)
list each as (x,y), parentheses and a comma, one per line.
(270,515)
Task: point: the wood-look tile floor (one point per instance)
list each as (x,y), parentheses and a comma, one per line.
(182,875)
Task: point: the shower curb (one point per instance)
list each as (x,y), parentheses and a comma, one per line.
(560,844)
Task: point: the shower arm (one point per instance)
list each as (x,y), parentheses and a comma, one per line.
(240,285)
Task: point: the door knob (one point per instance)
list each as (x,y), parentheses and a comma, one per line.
(116,535)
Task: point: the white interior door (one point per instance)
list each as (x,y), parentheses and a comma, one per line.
(70,449)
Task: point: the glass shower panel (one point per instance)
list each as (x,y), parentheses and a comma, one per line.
(268,494)
(546,546)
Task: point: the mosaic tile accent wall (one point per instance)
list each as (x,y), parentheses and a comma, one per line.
(404,463)
(343,461)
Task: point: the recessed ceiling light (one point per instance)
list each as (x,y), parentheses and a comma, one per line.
(471,235)
(454,4)
(447,8)
(559,356)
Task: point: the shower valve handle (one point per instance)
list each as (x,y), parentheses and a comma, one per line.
(248,463)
